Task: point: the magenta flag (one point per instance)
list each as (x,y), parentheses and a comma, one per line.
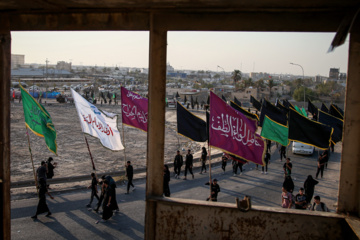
(234,133)
(134,109)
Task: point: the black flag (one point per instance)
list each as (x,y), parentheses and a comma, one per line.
(243,111)
(189,125)
(273,113)
(185,100)
(302,129)
(339,109)
(208,100)
(192,102)
(312,108)
(333,122)
(287,104)
(256,104)
(177,95)
(237,101)
(324,108)
(281,107)
(335,112)
(223,98)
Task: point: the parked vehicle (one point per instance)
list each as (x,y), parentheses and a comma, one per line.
(301,148)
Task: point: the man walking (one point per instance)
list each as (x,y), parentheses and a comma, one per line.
(287,167)
(178,162)
(189,164)
(129,175)
(94,191)
(282,152)
(215,189)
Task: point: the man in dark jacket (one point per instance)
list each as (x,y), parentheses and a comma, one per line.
(129,175)
(178,162)
(215,189)
(189,164)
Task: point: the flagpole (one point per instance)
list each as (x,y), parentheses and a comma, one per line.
(32,161)
(92,160)
(123,135)
(210,180)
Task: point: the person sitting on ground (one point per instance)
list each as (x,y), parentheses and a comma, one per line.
(319,206)
(301,200)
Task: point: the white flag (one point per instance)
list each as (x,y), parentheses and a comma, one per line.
(97,124)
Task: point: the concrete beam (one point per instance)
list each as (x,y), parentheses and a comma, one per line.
(348,198)
(156,123)
(5,65)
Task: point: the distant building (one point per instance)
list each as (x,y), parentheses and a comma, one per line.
(62,65)
(17,60)
(334,73)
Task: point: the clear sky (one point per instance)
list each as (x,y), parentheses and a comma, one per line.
(245,51)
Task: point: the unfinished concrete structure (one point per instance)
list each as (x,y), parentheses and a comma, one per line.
(175,218)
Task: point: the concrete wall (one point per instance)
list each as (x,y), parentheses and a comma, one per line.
(189,219)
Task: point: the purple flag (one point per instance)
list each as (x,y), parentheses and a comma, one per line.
(134,109)
(234,133)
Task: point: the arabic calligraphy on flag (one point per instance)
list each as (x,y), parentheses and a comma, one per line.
(134,109)
(97,124)
(234,133)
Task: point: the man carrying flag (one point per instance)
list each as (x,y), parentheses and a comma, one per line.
(38,120)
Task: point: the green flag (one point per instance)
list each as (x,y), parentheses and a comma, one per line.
(303,112)
(38,120)
(274,131)
(298,110)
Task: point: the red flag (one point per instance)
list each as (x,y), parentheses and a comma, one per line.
(234,133)
(134,109)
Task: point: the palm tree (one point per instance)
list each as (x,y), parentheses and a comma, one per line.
(236,76)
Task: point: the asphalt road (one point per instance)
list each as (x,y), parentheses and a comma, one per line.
(72,220)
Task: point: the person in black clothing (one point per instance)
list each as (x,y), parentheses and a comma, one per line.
(325,157)
(112,184)
(189,164)
(267,160)
(166,181)
(50,168)
(94,190)
(301,201)
(203,160)
(108,204)
(332,145)
(282,152)
(309,186)
(320,166)
(287,167)
(268,145)
(288,184)
(178,162)
(42,206)
(129,175)
(223,163)
(215,189)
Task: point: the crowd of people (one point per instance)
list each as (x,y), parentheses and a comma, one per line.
(107,197)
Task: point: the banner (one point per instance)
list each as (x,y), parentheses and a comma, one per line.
(134,109)
(234,133)
(333,122)
(97,124)
(273,113)
(189,125)
(304,130)
(256,104)
(243,111)
(38,120)
(275,132)
(335,111)
(324,108)
(312,108)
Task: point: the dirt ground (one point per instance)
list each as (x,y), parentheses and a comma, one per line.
(73,157)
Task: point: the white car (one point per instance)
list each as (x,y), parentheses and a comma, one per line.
(301,148)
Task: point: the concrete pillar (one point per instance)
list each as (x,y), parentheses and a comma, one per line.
(156,123)
(349,186)
(5,63)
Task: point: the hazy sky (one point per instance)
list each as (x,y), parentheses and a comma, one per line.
(246,51)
